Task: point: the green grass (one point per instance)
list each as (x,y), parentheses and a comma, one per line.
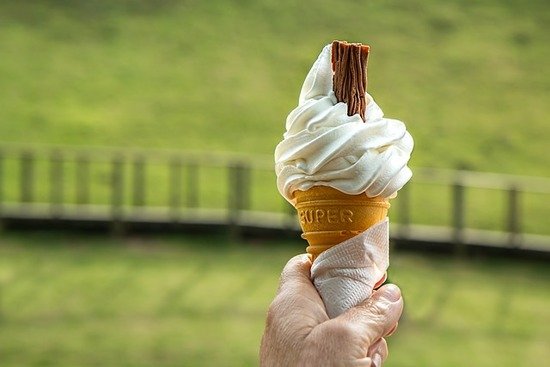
(468,77)
(70,300)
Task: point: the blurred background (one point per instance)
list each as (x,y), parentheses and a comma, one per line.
(140,223)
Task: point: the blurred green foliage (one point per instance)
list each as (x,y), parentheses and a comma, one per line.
(69,300)
(468,77)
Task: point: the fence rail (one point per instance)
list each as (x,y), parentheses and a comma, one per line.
(121,186)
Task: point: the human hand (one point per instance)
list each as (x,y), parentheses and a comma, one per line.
(299,332)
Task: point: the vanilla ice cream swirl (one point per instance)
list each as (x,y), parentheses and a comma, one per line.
(323,146)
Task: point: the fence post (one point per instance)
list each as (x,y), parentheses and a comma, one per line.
(290,220)
(404,210)
(174,189)
(239,177)
(2,175)
(82,179)
(27,176)
(117,187)
(458,217)
(138,195)
(192,185)
(56,184)
(514,217)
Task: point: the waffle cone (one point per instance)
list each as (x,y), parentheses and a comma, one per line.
(328,216)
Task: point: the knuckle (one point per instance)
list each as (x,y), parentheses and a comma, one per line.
(291,269)
(271,316)
(381,308)
(275,309)
(342,331)
(277,304)
(283,304)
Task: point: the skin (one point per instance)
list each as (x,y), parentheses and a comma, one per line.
(299,333)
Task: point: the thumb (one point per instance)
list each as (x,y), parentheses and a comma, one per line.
(375,317)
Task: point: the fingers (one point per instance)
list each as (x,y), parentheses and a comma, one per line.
(381,281)
(297,301)
(378,352)
(392,330)
(377,316)
(363,362)
(295,284)
(295,274)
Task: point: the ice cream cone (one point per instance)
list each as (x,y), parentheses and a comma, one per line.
(328,216)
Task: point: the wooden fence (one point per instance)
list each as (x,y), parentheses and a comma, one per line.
(122,187)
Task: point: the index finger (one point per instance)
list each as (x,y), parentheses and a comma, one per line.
(295,273)
(296,294)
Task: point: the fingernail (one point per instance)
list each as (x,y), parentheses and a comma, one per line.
(391,293)
(376,360)
(381,281)
(390,333)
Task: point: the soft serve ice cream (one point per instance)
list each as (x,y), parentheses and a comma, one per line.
(323,146)
(339,172)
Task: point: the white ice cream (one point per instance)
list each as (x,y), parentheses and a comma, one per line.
(323,146)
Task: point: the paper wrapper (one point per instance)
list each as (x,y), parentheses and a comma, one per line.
(328,216)
(345,275)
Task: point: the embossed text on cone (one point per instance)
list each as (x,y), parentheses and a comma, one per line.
(328,216)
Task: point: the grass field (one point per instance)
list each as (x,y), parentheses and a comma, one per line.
(468,77)
(69,300)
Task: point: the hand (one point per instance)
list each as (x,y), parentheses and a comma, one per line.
(299,333)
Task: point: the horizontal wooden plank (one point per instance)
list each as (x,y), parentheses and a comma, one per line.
(258,220)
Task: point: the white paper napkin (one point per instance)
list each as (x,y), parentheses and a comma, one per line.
(345,274)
